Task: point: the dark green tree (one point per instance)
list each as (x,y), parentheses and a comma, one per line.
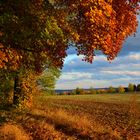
(79,91)
(131,87)
(138,87)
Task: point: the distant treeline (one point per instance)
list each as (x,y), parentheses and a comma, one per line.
(79,91)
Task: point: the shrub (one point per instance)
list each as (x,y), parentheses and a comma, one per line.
(101,91)
(73,92)
(111,89)
(79,91)
(98,91)
(92,91)
(121,89)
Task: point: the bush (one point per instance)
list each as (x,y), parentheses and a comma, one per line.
(111,90)
(92,91)
(101,91)
(98,91)
(121,89)
(79,91)
(73,92)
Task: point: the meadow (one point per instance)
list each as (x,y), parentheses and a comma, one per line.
(74,117)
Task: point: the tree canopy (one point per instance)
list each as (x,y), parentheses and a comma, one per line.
(31,34)
(36,33)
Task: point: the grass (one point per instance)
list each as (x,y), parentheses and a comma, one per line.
(12,132)
(109,98)
(74,117)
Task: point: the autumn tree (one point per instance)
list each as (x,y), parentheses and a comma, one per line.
(102,25)
(121,89)
(33,29)
(35,34)
(31,38)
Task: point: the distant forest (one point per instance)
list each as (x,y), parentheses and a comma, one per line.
(130,88)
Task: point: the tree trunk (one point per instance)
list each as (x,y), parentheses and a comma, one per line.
(17,90)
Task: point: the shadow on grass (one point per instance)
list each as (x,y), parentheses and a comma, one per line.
(2,120)
(62,128)
(6,107)
(5,113)
(59,127)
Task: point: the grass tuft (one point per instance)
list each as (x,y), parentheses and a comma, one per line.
(13,132)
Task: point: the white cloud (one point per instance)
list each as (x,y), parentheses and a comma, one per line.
(117,72)
(100,58)
(123,70)
(72,57)
(134,57)
(84,83)
(75,75)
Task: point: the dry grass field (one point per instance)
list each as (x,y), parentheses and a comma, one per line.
(74,117)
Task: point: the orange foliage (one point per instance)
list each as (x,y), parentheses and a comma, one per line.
(9,58)
(40,30)
(104,25)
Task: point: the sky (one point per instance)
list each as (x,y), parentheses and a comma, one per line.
(123,70)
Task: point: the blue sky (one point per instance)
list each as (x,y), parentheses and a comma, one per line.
(123,70)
